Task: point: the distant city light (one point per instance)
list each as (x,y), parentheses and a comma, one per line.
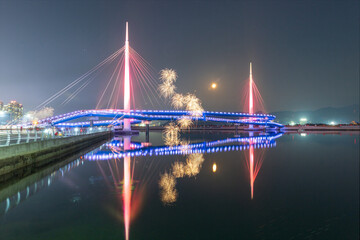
(14,110)
(213,85)
(292,123)
(214,167)
(332,123)
(303,134)
(303,120)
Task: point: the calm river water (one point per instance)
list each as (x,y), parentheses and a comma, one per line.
(214,186)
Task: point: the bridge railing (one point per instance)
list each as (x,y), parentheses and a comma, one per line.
(14,136)
(17,136)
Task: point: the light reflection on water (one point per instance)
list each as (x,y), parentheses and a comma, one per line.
(131,169)
(123,148)
(31,185)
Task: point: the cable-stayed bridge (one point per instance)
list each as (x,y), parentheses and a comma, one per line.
(127,116)
(136,116)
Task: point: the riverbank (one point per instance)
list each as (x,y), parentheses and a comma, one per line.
(355,128)
(17,161)
(304,128)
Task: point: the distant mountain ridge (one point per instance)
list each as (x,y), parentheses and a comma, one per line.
(323,115)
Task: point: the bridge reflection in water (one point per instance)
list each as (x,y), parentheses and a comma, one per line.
(122,148)
(13,195)
(130,193)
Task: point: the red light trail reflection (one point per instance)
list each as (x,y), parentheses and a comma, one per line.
(127,189)
(252,179)
(125,184)
(254,163)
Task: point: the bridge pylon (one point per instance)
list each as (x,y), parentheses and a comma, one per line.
(251,98)
(127,124)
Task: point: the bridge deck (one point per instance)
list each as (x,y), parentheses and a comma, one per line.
(118,115)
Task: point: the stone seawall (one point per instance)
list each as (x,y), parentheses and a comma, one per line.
(23,159)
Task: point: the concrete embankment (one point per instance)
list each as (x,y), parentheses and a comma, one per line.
(21,160)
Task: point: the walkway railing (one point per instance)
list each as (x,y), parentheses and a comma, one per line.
(17,136)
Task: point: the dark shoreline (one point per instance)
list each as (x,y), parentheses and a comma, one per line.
(245,128)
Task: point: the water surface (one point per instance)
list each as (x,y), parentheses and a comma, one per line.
(294,187)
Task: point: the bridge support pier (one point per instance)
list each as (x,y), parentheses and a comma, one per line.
(124,132)
(147,132)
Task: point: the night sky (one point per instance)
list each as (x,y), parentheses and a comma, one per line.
(305,54)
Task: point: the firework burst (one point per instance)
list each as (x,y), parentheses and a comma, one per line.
(168,75)
(40,114)
(177,101)
(178,169)
(167,185)
(171,130)
(167,181)
(197,111)
(167,89)
(193,164)
(171,134)
(193,104)
(169,196)
(184,123)
(190,102)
